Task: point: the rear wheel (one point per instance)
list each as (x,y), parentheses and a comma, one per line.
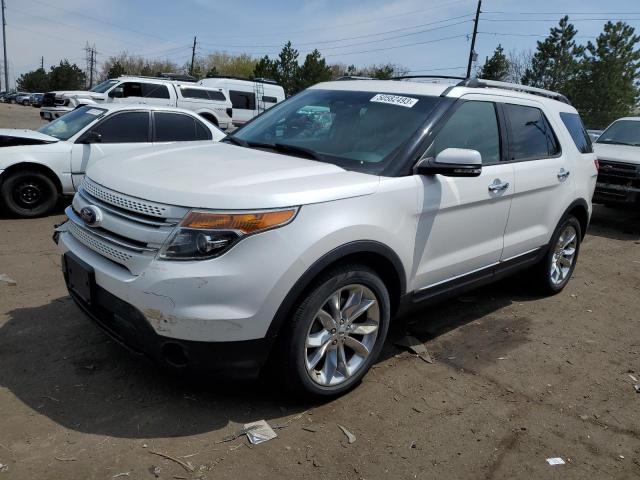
(25,102)
(553,273)
(337,332)
(28,193)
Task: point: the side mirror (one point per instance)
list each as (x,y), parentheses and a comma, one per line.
(452,162)
(117,92)
(90,137)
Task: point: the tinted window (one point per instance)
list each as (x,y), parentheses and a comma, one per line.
(154,90)
(243,100)
(573,122)
(622,132)
(71,123)
(194,93)
(216,95)
(474,126)
(131,89)
(129,127)
(531,136)
(202,132)
(269,99)
(174,127)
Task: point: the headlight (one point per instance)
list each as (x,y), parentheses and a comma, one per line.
(203,235)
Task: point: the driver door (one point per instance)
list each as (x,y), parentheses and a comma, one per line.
(118,133)
(462,220)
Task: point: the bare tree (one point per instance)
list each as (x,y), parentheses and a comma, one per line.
(519,61)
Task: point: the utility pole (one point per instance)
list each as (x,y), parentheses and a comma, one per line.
(193,54)
(42,62)
(472,52)
(4,44)
(93,62)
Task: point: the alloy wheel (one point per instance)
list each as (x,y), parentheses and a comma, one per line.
(564,255)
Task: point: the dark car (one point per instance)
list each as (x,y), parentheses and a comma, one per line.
(36,99)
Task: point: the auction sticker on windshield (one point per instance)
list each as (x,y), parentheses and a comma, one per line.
(95,111)
(407,102)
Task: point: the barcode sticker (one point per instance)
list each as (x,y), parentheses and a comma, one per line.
(95,111)
(407,102)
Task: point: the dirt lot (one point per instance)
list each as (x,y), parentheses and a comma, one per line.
(517,379)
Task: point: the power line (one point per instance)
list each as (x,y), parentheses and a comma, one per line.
(399,46)
(505,34)
(553,19)
(565,13)
(440,69)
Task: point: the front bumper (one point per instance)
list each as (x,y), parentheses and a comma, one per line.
(612,193)
(51,113)
(128,326)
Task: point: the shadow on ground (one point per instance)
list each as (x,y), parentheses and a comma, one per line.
(618,223)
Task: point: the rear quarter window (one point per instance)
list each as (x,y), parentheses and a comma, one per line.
(576,129)
(530,134)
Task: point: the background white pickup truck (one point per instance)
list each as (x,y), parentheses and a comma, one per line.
(212,104)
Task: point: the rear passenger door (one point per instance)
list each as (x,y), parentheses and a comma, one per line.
(543,180)
(178,127)
(462,220)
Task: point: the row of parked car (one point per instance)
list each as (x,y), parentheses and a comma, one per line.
(22,98)
(293,241)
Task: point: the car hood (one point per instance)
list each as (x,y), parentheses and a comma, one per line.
(617,153)
(223,176)
(11,137)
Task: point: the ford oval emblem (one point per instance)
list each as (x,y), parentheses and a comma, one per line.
(91,216)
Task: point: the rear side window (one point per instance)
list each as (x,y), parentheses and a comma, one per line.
(154,90)
(216,95)
(269,99)
(530,134)
(473,126)
(129,127)
(243,100)
(175,127)
(573,122)
(195,93)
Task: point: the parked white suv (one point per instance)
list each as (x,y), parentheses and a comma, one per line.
(301,236)
(210,103)
(37,168)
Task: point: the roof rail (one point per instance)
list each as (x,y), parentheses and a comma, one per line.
(246,79)
(177,77)
(481,83)
(355,77)
(434,77)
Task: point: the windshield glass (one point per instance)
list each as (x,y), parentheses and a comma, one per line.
(356,130)
(71,123)
(104,86)
(622,132)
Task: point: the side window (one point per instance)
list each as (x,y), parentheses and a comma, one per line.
(243,100)
(202,132)
(474,126)
(174,127)
(269,99)
(128,127)
(580,137)
(155,90)
(194,93)
(131,89)
(531,136)
(216,95)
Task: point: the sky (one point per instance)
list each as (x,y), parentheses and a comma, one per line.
(424,36)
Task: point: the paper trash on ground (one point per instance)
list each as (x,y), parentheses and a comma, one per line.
(555,461)
(259,432)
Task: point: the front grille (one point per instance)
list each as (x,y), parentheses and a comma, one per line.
(615,173)
(132,229)
(48,100)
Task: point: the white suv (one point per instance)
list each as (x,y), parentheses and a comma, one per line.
(299,238)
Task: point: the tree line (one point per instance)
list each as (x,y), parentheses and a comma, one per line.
(601,78)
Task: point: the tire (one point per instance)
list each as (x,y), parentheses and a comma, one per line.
(25,103)
(340,360)
(554,271)
(28,194)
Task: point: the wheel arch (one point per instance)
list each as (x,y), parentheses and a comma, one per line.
(377,256)
(580,209)
(16,167)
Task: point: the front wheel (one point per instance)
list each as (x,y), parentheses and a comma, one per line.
(337,332)
(28,194)
(554,271)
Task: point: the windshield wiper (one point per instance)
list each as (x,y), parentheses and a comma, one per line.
(613,142)
(307,152)
(235,141)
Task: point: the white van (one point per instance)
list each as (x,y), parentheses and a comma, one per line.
(248,97)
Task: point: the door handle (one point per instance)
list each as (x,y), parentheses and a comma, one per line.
(563,174)
(498,186)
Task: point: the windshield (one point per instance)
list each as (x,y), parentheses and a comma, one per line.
(356,130)
(71,123)
(104,86)
(622,132)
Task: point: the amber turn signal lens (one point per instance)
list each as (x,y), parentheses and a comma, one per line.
(243,222)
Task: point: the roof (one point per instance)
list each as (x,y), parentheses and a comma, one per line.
(117,107)
(447,87)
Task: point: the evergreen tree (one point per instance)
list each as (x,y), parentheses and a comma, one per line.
(67,76)
(496,67)
(116,70)
(35,81)
(607,86)
(556,61)
(288,68)
(314,70)
(266,68)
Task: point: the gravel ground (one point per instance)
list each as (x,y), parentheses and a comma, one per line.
(517,379)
